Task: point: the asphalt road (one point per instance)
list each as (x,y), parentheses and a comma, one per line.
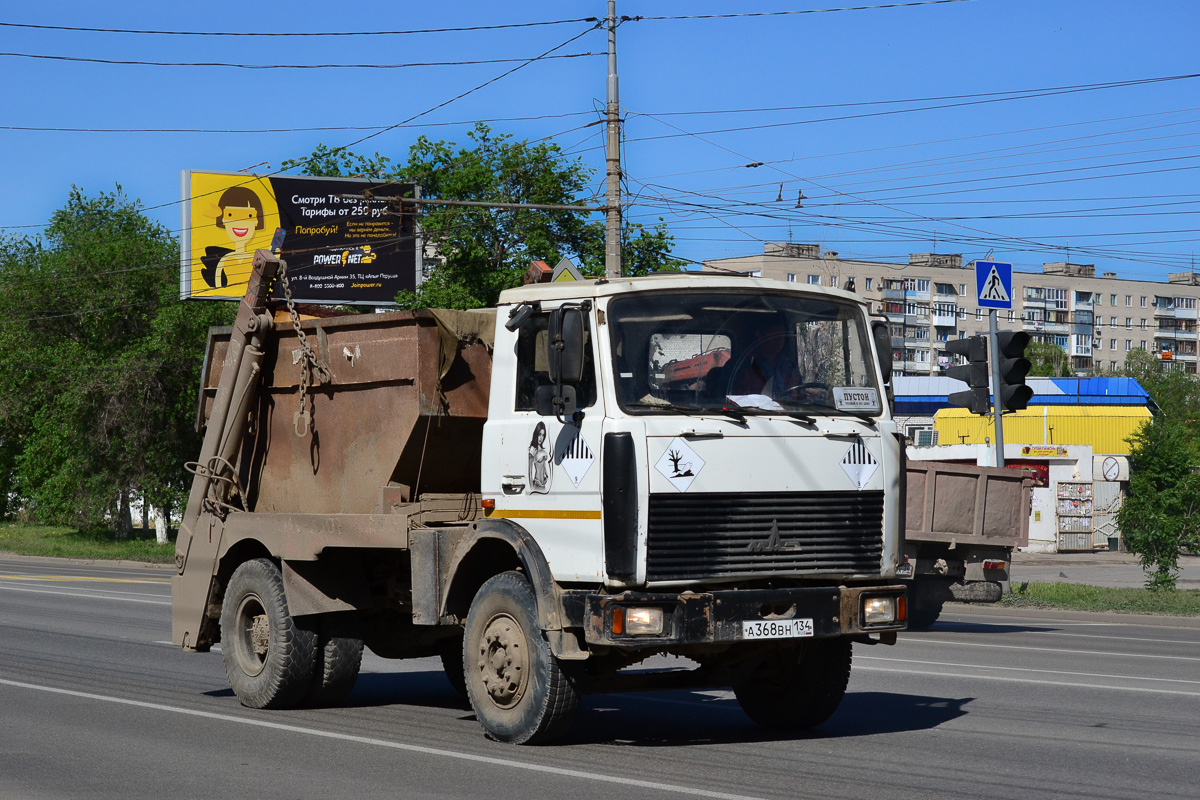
(94,702)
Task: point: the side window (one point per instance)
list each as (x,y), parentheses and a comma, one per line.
(533,365)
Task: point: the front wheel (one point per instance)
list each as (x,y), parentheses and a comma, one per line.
(517,688)
(268,657)
(794,688)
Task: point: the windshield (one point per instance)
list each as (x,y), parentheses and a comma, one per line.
(703,350)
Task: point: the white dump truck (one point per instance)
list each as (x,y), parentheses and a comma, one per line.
(546,494)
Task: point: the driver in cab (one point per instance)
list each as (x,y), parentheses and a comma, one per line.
(769,367)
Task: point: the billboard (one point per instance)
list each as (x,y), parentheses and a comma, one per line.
(340,246)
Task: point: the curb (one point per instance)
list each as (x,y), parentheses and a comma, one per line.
(92,562)
(1158,621)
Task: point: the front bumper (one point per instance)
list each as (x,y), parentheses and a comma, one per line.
(717,617)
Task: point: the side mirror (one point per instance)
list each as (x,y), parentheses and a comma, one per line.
(566,345)
(882,335)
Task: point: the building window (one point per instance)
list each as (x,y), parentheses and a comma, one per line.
(1128,323)
(1112,344)
(1099,299)
(1143,302)
(833,281)
(1112,366)
(962,288)
(869,282)
(1128,345)
(1112,321)
(978,313)
(1143,324)
(814,280)
(1058,297)
(1143,344)
(1128,300)
(791,277)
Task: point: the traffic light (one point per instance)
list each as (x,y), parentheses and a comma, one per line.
(1012,394)
(974,373)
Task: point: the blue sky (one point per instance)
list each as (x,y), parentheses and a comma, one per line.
(1103,175)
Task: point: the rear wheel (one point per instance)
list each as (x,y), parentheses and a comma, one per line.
(451,652)
(337,660)
(796,687)
(517,688)
(268,657)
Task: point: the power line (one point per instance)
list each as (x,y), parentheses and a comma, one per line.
(265,34)
(1017,95)
(318,129)
(793,13)
(288,66)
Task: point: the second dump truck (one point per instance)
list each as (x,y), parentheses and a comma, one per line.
(548,493)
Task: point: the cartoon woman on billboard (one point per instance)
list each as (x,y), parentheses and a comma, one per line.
(240,214)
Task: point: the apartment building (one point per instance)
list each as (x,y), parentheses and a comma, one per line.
(1096,320)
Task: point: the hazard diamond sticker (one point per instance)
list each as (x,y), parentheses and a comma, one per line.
(575,458)
(859,464)
(680,464)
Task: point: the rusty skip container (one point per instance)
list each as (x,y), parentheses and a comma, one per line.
(399,412)
(965,504)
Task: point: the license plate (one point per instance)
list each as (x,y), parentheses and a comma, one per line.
(904,571)
(777,628)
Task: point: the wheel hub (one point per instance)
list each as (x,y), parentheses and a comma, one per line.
(252,644)
(503,661)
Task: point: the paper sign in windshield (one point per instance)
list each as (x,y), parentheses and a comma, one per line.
(847,399)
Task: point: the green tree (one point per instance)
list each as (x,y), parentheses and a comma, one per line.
(1161,512)
(101,363)
(1048,360)
(483,251)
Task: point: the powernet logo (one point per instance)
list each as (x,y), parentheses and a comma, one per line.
(350,257)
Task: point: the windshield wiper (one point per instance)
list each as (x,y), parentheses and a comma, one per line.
(826,411)
(692,411)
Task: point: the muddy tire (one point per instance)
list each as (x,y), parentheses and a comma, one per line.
(518,690)
(451,652)
(268,657)
(795,688)
(338,658)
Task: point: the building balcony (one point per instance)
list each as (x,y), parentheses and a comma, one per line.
(916,319)
(893,294)
(944,320)
(1081,350)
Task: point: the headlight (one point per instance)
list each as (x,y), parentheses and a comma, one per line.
(644,621)
(879,610)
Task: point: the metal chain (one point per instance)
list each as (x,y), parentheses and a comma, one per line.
(309,363)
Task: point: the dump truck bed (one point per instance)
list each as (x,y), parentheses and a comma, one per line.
(967,504)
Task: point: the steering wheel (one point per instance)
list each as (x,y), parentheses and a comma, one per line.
(804,388)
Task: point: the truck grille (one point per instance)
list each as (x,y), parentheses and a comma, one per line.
(768,533)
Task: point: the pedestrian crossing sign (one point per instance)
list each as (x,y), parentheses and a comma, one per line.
(993,279)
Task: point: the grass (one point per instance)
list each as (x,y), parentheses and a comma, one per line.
(1080,597)
(62,542)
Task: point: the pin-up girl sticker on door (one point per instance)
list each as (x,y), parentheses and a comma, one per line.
(240,214)
(541,466)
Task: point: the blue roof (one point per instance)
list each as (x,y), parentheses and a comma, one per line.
(925,395)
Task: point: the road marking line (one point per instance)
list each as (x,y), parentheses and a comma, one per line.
(1029,680)
(69,578)
(917,639)
(83,594)
(412,748)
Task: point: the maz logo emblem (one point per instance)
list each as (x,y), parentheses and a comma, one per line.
(773,543)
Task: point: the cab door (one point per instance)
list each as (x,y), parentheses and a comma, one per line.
(545,471)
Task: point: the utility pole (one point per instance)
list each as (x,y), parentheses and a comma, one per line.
(612,222)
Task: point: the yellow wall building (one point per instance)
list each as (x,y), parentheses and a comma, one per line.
(1105,428)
